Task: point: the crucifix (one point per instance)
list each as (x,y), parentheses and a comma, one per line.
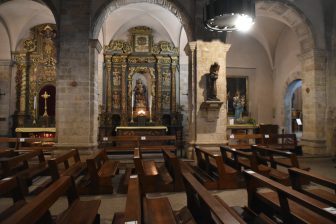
(45,96)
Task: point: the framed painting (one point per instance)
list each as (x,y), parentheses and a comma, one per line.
(237,86)
(141,43)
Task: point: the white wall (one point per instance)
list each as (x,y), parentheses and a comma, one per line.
(247,53)
(287,68)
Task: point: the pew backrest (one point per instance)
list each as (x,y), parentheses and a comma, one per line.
(204,207)
(298,176)
(254,181)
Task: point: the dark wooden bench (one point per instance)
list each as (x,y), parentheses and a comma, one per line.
(72,165)
(287,142)
(10,187)
(247,160)
(152,178)
(325,192)
(100,170)
(204,207)
(277,200)
(213,173)
(117,144)
(8,142)
(278,158)
(158,143)
(35,142)
(26,166)
(244,141)
(172,164)
(37,209)
(140,209)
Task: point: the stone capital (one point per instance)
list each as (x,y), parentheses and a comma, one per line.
(95,43)
(190,47)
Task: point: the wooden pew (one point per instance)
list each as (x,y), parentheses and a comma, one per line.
(133,208)
(204,207)
(278,158)
(72,165)
(287,142)
(152,179)
(213,173)
(37,209)
(26,166)
(287,204)
(123,144)
(244,141)
(35,142)
(298,176)
(172,164)
(158,143)
(8,142)
(140,209)
(100,170)
(247,160)
(11,187)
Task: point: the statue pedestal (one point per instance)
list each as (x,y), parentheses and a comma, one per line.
(212,109)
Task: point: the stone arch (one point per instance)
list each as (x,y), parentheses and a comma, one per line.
(292,17)
(109,6)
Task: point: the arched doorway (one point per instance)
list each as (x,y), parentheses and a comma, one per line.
(293,108)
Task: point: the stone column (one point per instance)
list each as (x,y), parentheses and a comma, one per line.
(76,81)
(207,119)
(108,65)
(314,102)
(5,96)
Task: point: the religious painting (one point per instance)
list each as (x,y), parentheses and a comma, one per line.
(141,43)
(237,95)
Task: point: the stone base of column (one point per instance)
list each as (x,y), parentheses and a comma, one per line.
(314,146)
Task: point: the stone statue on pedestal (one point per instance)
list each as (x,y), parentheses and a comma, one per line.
(211,82)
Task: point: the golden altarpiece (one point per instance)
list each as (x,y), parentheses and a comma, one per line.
(139,90)
(36,81)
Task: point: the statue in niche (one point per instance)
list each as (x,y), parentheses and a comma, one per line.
(116,77)
(211,82)
(140,94)
(238,104)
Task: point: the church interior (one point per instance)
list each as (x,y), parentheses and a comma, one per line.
(167,111)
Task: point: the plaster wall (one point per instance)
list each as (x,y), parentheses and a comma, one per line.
(246,53)
(287,68)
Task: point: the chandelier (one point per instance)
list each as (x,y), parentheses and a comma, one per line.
(229,15)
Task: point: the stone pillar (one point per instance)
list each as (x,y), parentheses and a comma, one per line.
(314,102)
(76,81)
(108,65)
(5,95)
(207,119)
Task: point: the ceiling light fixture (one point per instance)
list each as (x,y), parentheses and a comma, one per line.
(229,15)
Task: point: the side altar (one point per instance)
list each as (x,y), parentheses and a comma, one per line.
(139,86)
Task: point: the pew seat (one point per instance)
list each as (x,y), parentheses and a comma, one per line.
(37,209)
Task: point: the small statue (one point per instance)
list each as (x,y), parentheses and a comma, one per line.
(238,104)
(140,93)
(211,82)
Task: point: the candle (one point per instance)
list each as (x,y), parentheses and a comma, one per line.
(34,102)
(132,99)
